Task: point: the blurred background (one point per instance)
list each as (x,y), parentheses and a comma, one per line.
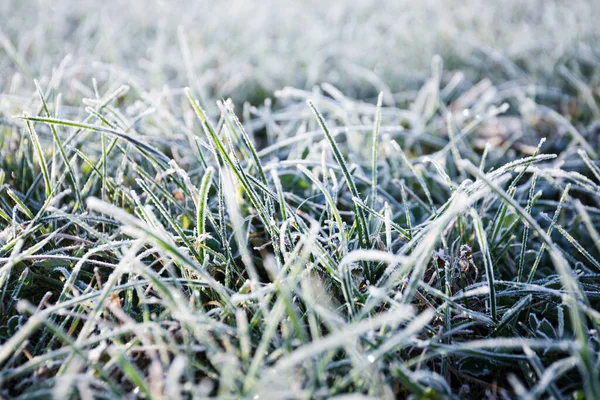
(249,49)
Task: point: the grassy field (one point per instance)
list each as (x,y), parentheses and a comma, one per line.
(300,200)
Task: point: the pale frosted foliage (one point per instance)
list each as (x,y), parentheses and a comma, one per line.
(237,45)
(306,238)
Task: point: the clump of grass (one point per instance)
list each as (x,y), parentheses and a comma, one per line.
(435,248)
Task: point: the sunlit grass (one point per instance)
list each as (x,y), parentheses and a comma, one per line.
(437,242)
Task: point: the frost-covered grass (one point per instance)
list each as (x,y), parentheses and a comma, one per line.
(437,240)
(241,48)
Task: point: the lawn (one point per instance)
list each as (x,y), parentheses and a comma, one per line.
(299,200)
